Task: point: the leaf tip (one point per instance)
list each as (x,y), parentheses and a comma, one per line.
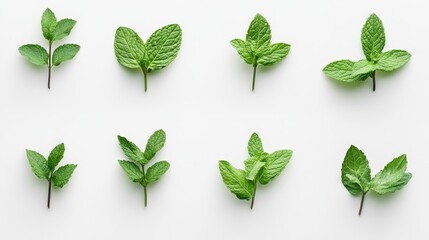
(373,15)
(258,15)
(254,134)
(222,162)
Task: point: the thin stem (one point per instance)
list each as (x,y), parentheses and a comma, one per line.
(49,64)
(361,203)
(144,186)
(145,80)
(49,190)
(145,195)
(373,81)
(253,198)
(254,76)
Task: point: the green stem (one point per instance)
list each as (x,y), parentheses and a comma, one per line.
(145,80)
(144,186)
(373,81)
(145,195)
(49,190)
(254,75)
(361,203)
(49,64)
(253,198)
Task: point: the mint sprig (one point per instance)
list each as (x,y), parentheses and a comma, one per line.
(257,49)
(260,167)
(158,52)
(53,30)
(356,175)
(136,168)
(373,40)
(46,168)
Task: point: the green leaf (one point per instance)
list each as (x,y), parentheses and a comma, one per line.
(63,174)
(38,164)
(36,54)
(155,171)
(235,180)
(254,146)
(163,47)
(355,171)
(372,37)
(132,170)
(63,29)
(256,170)
(396,185)
(392,177)
(154,144)
(342,70)
(392,60)
(259,33)
(363,67)
(64,53)
(49,23)
(249,163)
(244,50)
(274,54)
(275,163)
(131,150)
(55,156)
(129,48)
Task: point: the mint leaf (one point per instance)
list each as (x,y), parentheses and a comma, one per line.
(52,31)
(392,60)
(129,48)
(275,163)
(49,23)
(154,144)
(244,49)
(256,170)
(257,49)
(155,171)
(250,163)
(363,67)
(235,180)
(355,171)
(342,70)
(259,167)
(36,54)
(373,40)
(259,33)
(159,51)
(356,175)
(254,146)
(372,37)
(63,174)
(63,28)
(393,177)
(163,47)
(394,186)
(64,53)
(131,150)
(136,170)
(39,164)
(45,168)
(274,54)
(55,156)
(132,170)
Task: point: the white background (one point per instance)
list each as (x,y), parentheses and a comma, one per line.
(203,101)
